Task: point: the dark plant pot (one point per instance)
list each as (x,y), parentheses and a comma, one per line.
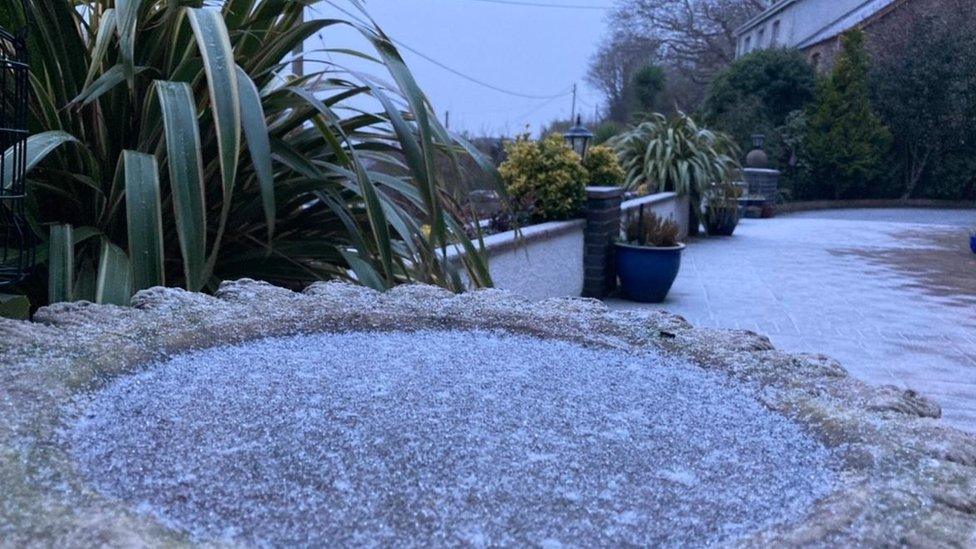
(646,274)
(721,221)
(972,243)
(768,211)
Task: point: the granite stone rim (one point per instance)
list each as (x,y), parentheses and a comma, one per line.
(905,478)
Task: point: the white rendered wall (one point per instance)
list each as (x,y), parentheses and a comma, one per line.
(802,19)
(665,206)
(547,263)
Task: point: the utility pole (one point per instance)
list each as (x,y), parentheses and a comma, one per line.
(447,120)
(572,118)
(298,63)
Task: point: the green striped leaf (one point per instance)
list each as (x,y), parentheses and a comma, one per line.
(185,177)
(38,147)
(128,18)
(144,218)
(60,264)
(106,29)
(218,63)
(114,283)
(258,143)
(103,84)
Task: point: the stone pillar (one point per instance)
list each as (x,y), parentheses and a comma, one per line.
(602,229)
(763,188)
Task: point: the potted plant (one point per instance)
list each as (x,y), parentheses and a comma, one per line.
(648,258)
(721,209)
(676,154)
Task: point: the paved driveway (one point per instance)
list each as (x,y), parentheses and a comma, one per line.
(889,293)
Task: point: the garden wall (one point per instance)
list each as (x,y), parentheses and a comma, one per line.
(665,205)
(543,261)
(547,260)
(791,207)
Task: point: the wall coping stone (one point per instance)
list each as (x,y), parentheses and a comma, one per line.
(509,240)
(656,198)
(604,192)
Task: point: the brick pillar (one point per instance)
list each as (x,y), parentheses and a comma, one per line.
(602,229)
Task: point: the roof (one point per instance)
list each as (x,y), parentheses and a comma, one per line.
(846,21)
(769,12)
(842,22)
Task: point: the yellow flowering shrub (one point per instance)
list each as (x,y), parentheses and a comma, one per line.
(546,174)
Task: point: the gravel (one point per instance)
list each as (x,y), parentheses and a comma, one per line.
(443,438)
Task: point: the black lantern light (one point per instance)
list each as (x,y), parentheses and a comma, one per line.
(579,137)
(17,244)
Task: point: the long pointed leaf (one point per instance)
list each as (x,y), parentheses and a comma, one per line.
(185,177)
(258,143)
(144,219)
(106,29)
(128,18)
(218,62)
(104,83)
(38,147)
(114,283)
(60,264)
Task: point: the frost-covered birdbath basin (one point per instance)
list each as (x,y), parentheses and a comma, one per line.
(343,416)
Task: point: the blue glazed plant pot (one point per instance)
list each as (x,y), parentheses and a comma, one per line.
(646,274)
(972,243)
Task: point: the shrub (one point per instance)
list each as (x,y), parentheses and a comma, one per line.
(757,93)
(606,131)
(675,155)
(548,175)
(846,142)
(923,84)
(177,143)
(649,229)
(603,167)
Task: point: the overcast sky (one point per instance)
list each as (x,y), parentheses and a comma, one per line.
(537,51)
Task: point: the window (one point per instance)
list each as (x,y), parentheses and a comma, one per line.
(775,39)
(760,40)
(748,45)
(815,60)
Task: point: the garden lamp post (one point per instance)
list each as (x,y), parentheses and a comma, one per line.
(579,137)
(17,244)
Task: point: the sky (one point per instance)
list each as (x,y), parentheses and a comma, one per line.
(529,50)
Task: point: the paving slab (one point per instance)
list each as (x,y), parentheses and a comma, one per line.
(891,294)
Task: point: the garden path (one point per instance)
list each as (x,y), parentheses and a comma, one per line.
(891,294)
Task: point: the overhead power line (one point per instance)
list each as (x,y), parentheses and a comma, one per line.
(450,69)
(476,80)
(543,5)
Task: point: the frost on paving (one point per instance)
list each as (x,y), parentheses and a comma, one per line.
(444,437)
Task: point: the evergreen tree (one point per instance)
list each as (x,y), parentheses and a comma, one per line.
(647,85)
(846,142)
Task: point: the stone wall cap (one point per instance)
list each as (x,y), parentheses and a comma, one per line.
(656,198)
(604,192)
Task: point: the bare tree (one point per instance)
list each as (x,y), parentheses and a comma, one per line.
(613,67)
(698,35)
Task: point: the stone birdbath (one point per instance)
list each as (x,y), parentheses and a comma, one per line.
(342,416)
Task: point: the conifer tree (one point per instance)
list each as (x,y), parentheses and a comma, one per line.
(846,142)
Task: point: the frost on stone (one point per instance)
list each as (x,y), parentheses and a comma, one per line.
(444,437)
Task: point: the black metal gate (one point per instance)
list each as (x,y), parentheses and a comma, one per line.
(17,243)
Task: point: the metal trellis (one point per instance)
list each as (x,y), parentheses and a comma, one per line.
(17,243)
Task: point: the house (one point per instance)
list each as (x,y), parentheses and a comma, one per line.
(812,26)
